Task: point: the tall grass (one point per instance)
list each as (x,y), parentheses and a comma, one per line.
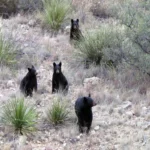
(19,115)
(7,52)
(58,113)
(55,12)
(101,45)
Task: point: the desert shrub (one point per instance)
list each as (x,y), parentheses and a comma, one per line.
(8,7)
(102,45)
(135,16)
(7,52)
(55,12)
(58,112)
(19,115)
(100,10)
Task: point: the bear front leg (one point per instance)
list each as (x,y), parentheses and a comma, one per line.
(54,87)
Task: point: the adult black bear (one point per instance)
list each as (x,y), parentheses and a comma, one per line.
(83,109)
(59,81)
(75,33)
(29,82)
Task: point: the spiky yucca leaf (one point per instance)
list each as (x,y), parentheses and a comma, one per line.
(55,12)
(20,115)
(58,113)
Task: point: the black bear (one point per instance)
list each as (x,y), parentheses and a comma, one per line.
(59,81)
(83,110)
(29,82)
(75,33)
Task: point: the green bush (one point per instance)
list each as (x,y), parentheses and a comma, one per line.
(58,113)
(55,12)
(135,16)
(101,45)
(19,115)
(7,52)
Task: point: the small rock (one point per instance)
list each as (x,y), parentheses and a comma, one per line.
(126,105)
(93,132)
(146,125)
(26,45)
(10,83)
(48,147)
(21,141)
(64,144)
(7,146)
(32,23)
(26,147)
(144,111)
(96,128)
(79,136)
(73,140)
(92,80)
(67,29)
(129,114)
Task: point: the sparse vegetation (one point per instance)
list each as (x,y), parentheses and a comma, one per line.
(19,115)
(58,113)
(55,12)
(116,33)
(7,52)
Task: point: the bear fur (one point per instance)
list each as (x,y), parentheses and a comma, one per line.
(83,110)
(59,81)
(29,82)
(75,33)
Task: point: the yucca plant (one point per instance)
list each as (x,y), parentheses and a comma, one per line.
(55,12)
(100,45)
(7,52)
(19,115)
(58,112)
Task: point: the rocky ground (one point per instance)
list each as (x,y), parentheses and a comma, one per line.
(121,117)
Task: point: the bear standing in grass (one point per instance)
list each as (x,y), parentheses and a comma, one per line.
(83,109)
(29,82)
(59,81)
(75,33)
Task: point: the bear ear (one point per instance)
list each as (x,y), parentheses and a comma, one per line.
(84,100)
(89,94)
(29,69)
(54,64)
(32,67)
(71,20)
(60,64)
(77,20)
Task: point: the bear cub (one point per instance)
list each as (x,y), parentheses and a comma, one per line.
(29,82)
(59,81)
(75,33)
(83,110)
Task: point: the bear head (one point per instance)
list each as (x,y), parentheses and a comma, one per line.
(32,71)
(75,24)
(57,68)
(88,102)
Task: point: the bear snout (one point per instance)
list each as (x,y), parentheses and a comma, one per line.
(94,103)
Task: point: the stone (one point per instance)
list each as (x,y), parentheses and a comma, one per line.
(96,128)
(7,146)
(32,23)
(10,83)
(126,105)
